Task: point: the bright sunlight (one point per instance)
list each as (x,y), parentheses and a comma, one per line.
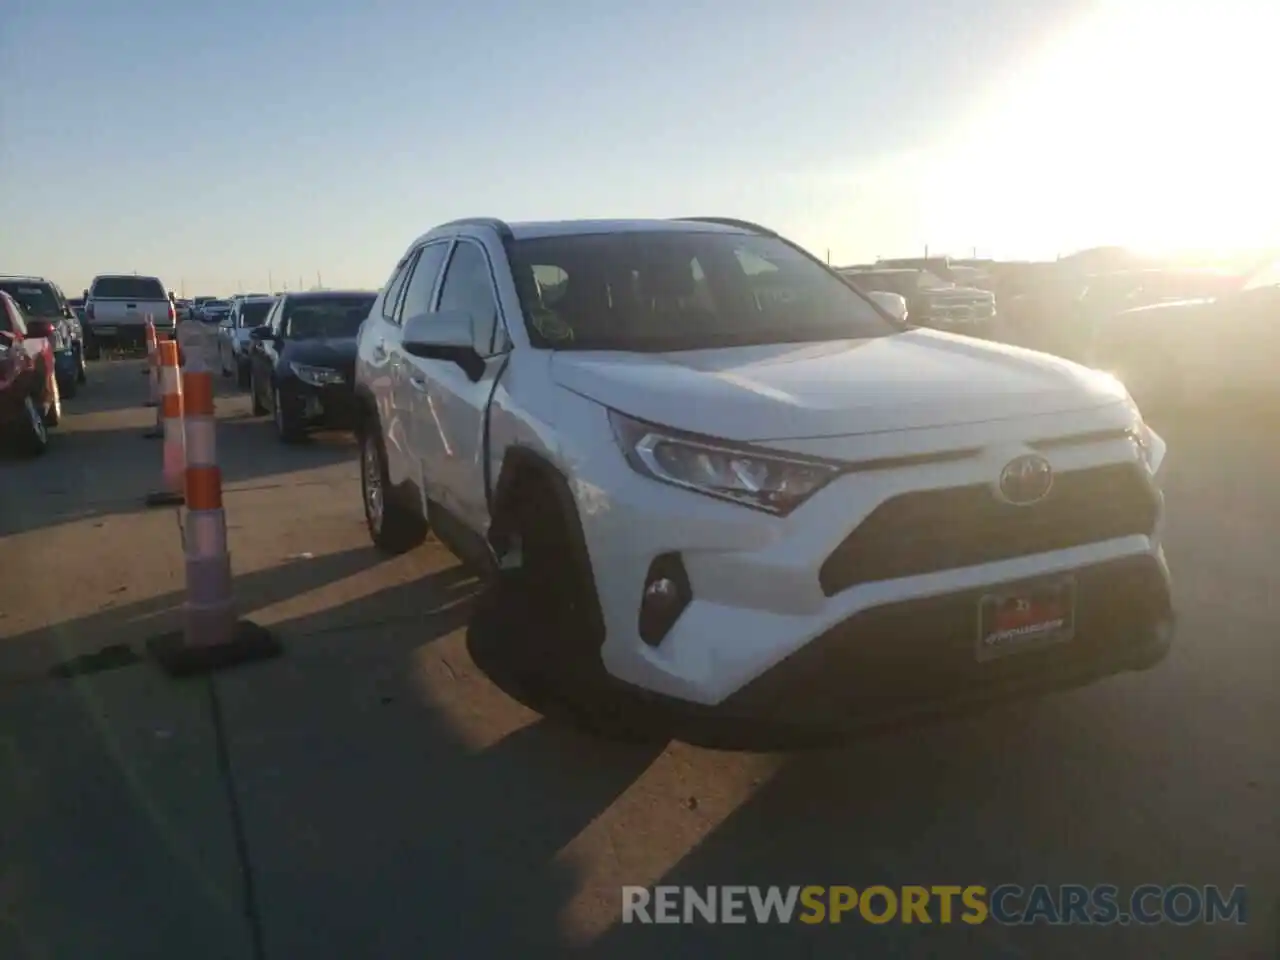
(1147,126)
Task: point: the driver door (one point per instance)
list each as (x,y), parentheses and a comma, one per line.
(450,409)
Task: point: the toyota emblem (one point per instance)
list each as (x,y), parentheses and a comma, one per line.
(1025,480)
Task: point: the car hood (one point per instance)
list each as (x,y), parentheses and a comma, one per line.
(337,352)
(912,380)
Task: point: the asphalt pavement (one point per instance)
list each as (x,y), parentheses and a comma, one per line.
(373,793)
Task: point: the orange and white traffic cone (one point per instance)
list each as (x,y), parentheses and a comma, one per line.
(173,462)
(212,635)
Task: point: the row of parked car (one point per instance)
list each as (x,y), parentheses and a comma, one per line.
(42,360)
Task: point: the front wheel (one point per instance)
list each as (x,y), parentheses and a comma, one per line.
(392,528)
(81,373)
(53,408)
(33,433)
(289,427)
(256,396)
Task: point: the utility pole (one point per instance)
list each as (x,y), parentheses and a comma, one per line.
(271,283)
(319,282)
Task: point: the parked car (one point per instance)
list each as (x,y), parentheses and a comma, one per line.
(1199,348)
(303,358)
(214,311)
(116,308)
(932,301)
(29,400)
(247,314)
(48,316)
(719,480)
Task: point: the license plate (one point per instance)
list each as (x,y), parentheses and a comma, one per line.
(104,329)
(1026,618)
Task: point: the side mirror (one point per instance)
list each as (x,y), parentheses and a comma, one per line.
(68,313)
(171,296)
(894,304)
(86,293)
(449,335)
(259,334)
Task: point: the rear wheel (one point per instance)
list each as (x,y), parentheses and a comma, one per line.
(81,373)
(392,528)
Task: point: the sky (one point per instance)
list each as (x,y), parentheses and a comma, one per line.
(246,145)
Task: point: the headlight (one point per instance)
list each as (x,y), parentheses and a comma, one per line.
(776,484)
(1151,446)
(316,376)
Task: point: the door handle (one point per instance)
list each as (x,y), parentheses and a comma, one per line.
(418,382)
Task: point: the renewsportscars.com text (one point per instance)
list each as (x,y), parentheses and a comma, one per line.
(1008,904)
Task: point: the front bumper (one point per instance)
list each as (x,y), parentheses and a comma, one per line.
(763,591)
(332,405)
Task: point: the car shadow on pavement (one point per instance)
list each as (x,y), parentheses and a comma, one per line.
(395,803)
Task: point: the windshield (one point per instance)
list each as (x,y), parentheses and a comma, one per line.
(681,290)
(252,314)
(327,317)
(128,288)
(35,299)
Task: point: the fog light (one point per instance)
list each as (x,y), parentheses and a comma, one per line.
(666,594)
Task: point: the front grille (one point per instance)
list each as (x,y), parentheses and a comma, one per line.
(931,530)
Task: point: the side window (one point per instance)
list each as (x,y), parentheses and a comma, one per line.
(17,322)
(468,284)
(394,286)
(417,295)
(277,322)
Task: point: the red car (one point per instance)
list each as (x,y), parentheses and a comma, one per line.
(29,400)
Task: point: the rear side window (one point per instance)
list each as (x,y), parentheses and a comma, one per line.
(129,288)
(396,284)
(11,317)
(252,314)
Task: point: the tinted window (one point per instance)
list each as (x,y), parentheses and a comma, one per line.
(253,314)
(35,299)
(129,288)
(322,317)
(417,296)
(681,291)
(468,285)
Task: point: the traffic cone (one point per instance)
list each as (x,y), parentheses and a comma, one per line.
(212,636)
(173,459)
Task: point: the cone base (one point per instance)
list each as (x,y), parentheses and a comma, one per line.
(163,498)
(250,644)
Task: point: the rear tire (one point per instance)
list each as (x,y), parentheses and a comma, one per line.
(81,374)
(392,528)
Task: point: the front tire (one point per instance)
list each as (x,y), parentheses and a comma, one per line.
(289,428)
(53,408)
(563,668)
(392,528)
(32,431)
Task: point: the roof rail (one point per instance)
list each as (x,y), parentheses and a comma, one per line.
(492,222)
(731,222)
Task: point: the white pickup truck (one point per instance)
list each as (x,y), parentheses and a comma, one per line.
(116,307)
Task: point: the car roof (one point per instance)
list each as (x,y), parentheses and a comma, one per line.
(23,278)
(321,294)
(539,229)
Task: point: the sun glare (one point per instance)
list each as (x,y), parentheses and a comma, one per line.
(1151,127)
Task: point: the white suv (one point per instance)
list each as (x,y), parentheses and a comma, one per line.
(731,484)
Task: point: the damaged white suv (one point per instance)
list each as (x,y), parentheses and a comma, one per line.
(731,484)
